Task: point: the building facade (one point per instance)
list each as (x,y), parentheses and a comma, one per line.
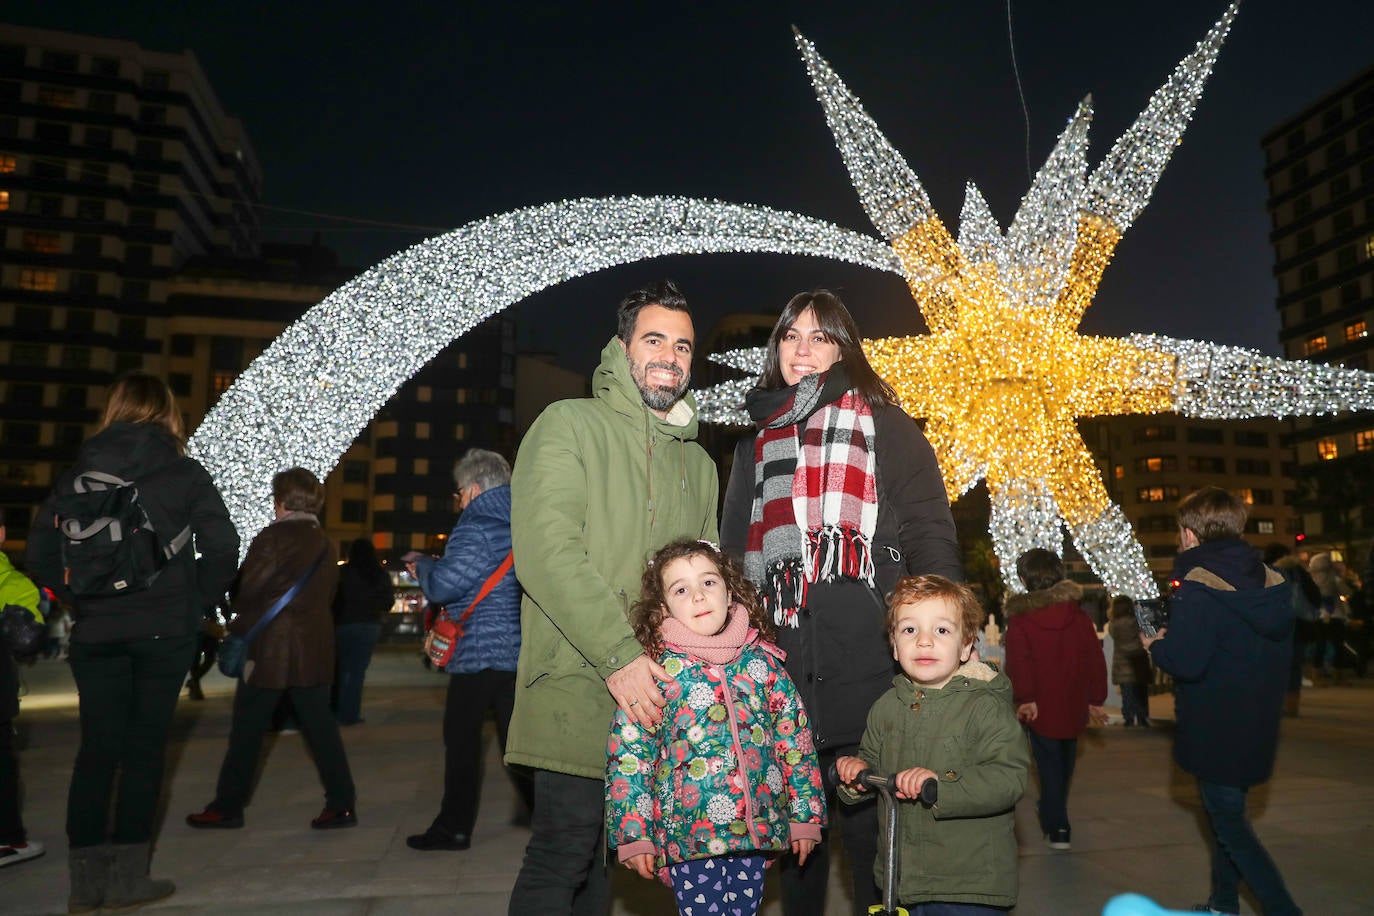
(1319,165)
(129,241)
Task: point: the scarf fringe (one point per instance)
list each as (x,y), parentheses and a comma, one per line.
(838,552)
(832,554)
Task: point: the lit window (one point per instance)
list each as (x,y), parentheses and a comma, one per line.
(6,164)
(4,200)
(1246,495)
(42,242)
(1364,441)
(1119,471)
(1315,344)
(460,430)
(40,280)
(462,395)
(1326,448)
(424,394)
(220,381)
(421,465)
(1355,330)
(1369,248)
(1264,526)
(463,357)
(56,96)
(1156,494)
(422,430)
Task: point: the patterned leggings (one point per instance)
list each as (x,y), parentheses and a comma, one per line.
(723,886)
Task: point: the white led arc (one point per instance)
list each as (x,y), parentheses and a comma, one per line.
(305,399)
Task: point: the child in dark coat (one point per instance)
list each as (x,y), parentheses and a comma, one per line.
(1130,662)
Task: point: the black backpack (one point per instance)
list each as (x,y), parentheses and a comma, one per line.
(109,545)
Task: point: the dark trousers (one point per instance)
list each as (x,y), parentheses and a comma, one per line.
(353,645)
(936,908)
(253,709)
(804,886)
(11,823)
(1054,760)
(1238,854)
(128,693)
(1135,703)
(564,871)
(465,709)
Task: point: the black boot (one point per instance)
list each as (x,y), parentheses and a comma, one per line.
(130,887)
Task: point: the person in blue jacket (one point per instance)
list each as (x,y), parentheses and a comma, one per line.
(482,669)
(1227,646)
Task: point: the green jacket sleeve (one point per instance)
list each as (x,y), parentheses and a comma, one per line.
(997,777)
(549,498)
(869,746)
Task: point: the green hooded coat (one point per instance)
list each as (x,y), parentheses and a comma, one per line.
(599,485)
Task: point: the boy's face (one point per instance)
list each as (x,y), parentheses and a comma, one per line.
(696,595)
(927,642)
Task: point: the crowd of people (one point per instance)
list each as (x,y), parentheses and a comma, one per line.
(698,693)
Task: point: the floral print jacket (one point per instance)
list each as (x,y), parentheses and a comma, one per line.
(731,769)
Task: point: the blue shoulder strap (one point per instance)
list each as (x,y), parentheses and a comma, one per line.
(285,599)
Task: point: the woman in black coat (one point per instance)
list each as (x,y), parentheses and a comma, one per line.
(363,598)
(876,510)
(130,651)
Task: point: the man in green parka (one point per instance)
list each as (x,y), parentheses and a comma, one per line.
(599,484)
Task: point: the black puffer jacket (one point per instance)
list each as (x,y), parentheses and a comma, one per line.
(364,594)
(839,656)
(175,491)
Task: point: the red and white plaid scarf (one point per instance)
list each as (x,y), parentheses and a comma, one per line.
(815,498)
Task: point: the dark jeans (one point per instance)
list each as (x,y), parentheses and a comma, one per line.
(465,709)
(564,871)
(1238,854)
(128,694)
(1054,760)
(1135,703)
(936,908)
(353,645)
(11,823)
(804,886)
(253,709)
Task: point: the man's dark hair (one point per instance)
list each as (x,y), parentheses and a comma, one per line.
(665,295)
(1039,569)
(838,325)
(1213,514)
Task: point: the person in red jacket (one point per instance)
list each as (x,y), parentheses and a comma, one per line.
(1058,678)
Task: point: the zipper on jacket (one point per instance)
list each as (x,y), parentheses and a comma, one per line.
(739,756)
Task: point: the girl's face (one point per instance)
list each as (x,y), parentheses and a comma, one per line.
(805,349)
(927,643)
(695,594)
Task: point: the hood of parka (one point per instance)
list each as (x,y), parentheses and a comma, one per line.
(613,384)
(1065,593)
(971,675)
(128,450)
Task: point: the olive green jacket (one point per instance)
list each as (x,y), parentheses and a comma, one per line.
(962,850)
(599,484)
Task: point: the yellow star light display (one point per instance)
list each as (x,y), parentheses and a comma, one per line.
(1003,374)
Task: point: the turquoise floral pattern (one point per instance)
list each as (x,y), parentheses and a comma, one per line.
(731,768)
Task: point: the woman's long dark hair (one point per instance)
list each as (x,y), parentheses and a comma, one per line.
(833,319)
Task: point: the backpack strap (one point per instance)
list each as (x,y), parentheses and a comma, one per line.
(98,480)
(175,544)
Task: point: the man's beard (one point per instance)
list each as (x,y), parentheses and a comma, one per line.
(656,398)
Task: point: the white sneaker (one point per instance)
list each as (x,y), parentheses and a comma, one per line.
(18,852)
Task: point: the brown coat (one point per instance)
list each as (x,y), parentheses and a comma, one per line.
(297,647)
(1130,661)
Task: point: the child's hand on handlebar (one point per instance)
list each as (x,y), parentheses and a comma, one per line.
(848,769)
(909,782)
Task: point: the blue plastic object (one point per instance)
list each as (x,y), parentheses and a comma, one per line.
(1137,905)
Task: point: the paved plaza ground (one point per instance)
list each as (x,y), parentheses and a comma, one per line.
(1136,819)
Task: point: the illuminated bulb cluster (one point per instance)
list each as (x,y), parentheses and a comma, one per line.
(319,384)
(1004,374)
(1001,378)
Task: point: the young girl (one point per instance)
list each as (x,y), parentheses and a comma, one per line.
(730,779)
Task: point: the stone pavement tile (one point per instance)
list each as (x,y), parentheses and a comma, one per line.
(326,907)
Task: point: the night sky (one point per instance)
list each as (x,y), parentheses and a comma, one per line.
(436,114)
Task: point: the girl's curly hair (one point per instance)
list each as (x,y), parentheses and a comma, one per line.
(648,613)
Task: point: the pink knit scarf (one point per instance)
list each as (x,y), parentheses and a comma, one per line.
(720,649)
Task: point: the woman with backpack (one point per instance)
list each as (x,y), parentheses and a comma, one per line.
(138,602)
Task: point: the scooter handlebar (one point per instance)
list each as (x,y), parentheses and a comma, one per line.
(887,785)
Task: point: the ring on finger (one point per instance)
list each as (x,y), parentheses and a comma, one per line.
(634,702)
